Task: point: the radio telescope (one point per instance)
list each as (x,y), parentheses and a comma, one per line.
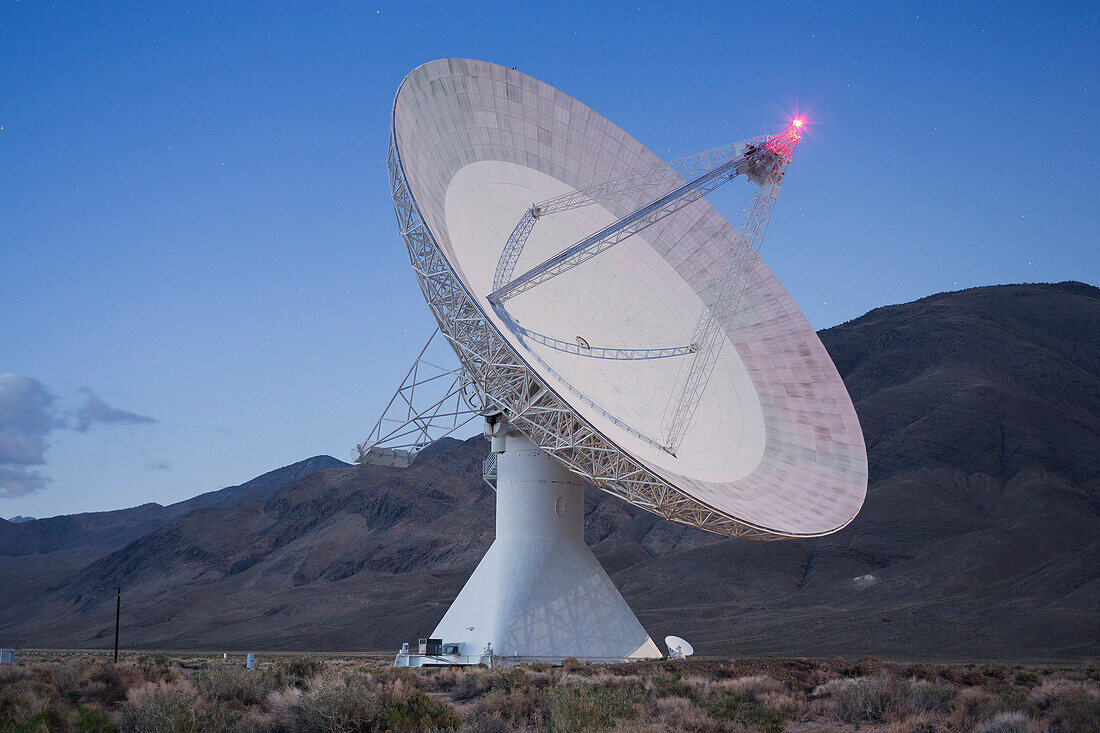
(678,648)
(612,328)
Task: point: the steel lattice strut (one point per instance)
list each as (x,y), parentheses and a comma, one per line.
(661,177)
(620,230)
(728,289)
(408,424)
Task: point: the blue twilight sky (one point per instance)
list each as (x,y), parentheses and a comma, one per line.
(200,275)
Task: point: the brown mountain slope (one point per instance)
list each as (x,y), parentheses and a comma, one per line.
(39,553)
(981,410)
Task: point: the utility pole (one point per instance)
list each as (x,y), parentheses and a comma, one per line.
(118,608)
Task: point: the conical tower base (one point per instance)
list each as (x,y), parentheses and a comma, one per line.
(539,594)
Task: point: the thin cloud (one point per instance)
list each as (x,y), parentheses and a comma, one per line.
(16,482)
(95,410)
(29,415)
(157,465)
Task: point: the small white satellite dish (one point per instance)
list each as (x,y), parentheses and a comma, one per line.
(678,648)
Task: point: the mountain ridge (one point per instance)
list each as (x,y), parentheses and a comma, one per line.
(981,410)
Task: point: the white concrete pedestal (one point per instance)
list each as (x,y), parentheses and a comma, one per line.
(539,594)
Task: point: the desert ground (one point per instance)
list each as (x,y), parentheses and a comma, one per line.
(170,692)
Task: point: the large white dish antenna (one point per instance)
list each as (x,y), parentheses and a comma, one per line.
(774,449)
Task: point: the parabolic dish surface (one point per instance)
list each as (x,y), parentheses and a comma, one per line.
(774,449)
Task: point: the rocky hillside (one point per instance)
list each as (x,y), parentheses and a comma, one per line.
(38,553)
(979,537)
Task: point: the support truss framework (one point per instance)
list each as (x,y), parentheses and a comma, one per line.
(596,352)
(729,287)
(661,177)
(411,422)
(616,232)
(507,383)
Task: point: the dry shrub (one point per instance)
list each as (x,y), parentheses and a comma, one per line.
(481,721)
(509,677)
(476,683)
(921,672)
(1010,721)
(817,726)
(1070,705)
(137,694)
(159,707)
(54,717)
(13,673)
(823,708)
(741,712)
(517,706)
(69,679)
(471,685)
(877,699)
(885,699)
(963,677)
(31,701)
(1056,689)
(604,678)
(90,720)
(920,723)
(568,707)
(572,678)
(418,712)
(234,684)
(931,696)
(1011,697)
(1079,713)
(298,670)
(680,713)
(1026,678)
(645,726)
(158,668)
(335,707)
(280,704)
(750,688)
(571,664)
(972,706)
(257,721)
(443,679)
(20,701)
(108,683)
(787,704)
(818,677)
(669,684)
(758,698)
(361,702)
